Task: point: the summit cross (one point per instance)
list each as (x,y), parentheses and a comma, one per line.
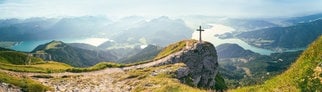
(200,33)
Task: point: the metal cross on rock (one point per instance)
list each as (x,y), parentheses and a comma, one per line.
(200,33)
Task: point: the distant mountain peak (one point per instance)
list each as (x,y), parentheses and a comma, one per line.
(62,52)
(229,50)
(51,45)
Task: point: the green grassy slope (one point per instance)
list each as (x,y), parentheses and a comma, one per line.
(304,75)
(48,67)
(175,47)
(18,58)
(21,62)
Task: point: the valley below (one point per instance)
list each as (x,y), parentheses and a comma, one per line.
(163,54)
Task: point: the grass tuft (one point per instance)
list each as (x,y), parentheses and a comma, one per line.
(27,84)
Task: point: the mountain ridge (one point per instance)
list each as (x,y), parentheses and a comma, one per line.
(225,51)
(281,38)
(62,52)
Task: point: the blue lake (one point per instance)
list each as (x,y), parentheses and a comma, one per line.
(28,46)
(217,29)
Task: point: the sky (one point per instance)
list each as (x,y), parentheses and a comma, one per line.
(122,8)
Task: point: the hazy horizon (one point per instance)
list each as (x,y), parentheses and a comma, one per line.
(148,8)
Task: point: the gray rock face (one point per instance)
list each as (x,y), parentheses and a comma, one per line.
(201,65)
(44,56)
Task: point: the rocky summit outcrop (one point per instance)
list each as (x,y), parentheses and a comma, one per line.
(201,64)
